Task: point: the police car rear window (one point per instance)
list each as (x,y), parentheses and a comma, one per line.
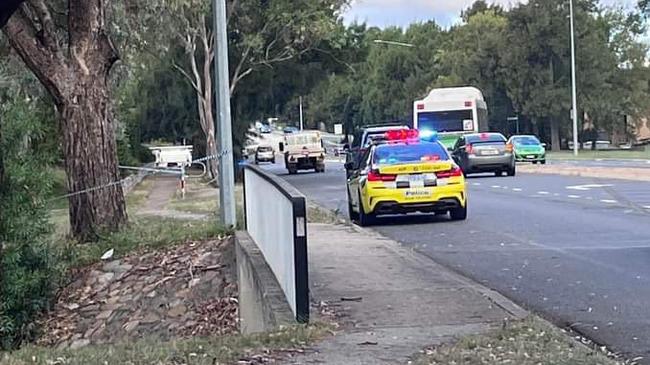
(394,154)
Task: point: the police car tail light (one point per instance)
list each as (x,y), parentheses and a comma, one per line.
(509,147)
(454,172)
(374,175)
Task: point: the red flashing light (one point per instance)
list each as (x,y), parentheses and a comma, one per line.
(375,176)
(454,172)
(420,106)
(484,136)
(468,104)
(431,158)
(402,135)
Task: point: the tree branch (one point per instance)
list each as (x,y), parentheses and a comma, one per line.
(22,35)
(49,35)
(187,76)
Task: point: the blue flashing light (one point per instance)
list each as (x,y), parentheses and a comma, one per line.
(428,135)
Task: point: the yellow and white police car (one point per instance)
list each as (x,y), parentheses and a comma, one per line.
(405,174)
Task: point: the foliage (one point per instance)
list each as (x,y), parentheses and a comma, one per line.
(28,267)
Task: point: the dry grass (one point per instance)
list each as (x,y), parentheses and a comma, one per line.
(260,348)
(529,342)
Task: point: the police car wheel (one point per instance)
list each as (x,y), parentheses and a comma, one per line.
(365,219)
(458,214)
(351,213)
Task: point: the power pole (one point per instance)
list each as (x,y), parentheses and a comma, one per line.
(227,208)
(301,118)
(574,111)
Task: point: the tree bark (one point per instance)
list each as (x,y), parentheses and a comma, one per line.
(77,81)
(91,160)
(555,134)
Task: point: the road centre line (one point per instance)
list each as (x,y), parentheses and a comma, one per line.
(543,193)
(608,201)
(574,196)
(517,189)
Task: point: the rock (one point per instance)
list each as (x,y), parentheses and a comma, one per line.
(89,332)
(105,314)
(150,318)
(77,344)
(152,294)
(131,326)
(105,278)
(126,298)
(72,306)
(90,308)
(177,311)
(183,294)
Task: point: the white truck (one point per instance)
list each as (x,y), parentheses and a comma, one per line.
(172,156)
(303,151)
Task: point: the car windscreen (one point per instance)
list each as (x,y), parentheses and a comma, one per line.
(395,154)
(486,138)
(526,141)
(265,149)
(446,121)
(302,139)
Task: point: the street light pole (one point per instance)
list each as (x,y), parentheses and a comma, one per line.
(227,207)
(574,110)
(301,117)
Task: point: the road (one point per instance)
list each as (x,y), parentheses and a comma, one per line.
(640,163)
(575,250)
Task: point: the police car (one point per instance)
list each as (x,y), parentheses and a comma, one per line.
(405,174)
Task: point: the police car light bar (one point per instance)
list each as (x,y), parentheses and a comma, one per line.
(402,135)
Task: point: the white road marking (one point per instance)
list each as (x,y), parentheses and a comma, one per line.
(647,207)
(574,196)
(588,187)
(556,194)
(607,201)
(496,186)
(476,184)
(543,193)
(518,190)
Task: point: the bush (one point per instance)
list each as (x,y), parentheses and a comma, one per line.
(28,271)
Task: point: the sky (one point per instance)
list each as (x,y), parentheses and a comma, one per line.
(403,12)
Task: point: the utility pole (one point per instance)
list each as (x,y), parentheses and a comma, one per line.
(301,117)
(574,111)
(227,208)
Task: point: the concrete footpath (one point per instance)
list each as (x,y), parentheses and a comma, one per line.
(391,302)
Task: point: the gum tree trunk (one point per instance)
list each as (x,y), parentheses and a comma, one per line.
(75,74)
(91,160)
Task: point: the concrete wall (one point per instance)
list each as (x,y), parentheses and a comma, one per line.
(262,303)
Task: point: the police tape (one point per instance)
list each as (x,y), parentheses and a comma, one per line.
(145,169)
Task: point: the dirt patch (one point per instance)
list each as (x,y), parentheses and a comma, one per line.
(186,291)
(625,173)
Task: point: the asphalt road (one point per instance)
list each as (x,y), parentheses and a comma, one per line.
(575,250)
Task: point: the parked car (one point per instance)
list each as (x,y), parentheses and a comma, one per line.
(266,129)
(264,154)
(289,130)
(485,152)
(363,139)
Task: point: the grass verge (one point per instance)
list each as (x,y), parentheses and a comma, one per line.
(528,342)
(140,235)
(316,214)
(592,155)
(196,351)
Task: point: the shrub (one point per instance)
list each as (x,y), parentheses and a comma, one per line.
(28,265)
